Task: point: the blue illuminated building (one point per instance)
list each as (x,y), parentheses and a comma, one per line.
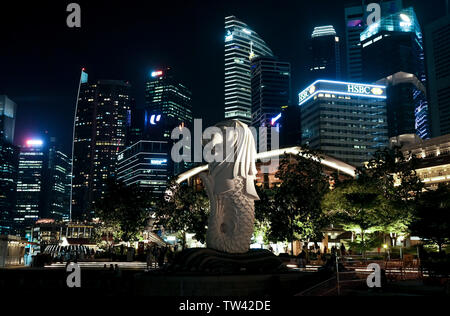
(393,54)
(344,120)
(146,164)
(356,22)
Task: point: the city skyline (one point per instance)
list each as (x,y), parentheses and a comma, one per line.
(44,85)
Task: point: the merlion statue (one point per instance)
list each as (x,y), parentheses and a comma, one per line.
(231,189)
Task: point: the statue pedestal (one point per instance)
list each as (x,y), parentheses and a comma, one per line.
(210,261)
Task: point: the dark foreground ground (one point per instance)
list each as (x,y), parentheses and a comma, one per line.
(154,283)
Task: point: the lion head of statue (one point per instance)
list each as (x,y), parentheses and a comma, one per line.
(239,153)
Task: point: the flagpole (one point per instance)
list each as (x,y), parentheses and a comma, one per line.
(73,144)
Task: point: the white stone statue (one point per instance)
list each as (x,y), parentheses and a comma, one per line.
(231,189)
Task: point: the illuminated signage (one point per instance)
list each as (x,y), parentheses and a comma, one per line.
(275,119)
(158,162)
(158,73)
(34,142)
(155,118)
(342,88)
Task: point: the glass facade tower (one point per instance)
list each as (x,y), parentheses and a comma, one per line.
(242,44)
(394,47)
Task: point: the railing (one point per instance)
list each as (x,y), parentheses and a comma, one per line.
(356,273)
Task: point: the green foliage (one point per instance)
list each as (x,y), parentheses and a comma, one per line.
(263,209)
(294,211)
(355,205)
(433,217)
(124,211)
(184,210)
(381,199)
(363,245)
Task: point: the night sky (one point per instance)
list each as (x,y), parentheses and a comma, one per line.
(41,58)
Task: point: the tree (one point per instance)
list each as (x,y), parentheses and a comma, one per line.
(296,213)
(263,208)
(356,205)
(381,199)
(183,210)
(125,209)
(433,217)
(395,173)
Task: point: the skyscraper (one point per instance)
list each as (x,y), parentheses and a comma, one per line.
(406,105)
(391,46)
(242,44)
(57,197)
(43,176)
(437,40)
(325,51)
(8,110)
(9,154)
(99,135)
(146,164)
(344,120)
(270,85)
(168,104)
(356,22)
(30,184)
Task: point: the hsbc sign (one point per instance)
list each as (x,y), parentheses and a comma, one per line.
(359,89)
(324,88)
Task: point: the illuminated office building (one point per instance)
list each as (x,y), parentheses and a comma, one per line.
(30,184)
(437,36)
(9,154)
(101,124)
(355,23)
(344,120)
(326,56)
(242,44)
(43,177)
(393,47)
(168,104)
(146,164)
(57,198)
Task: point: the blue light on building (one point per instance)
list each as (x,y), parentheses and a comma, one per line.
(402,21)
(343,89)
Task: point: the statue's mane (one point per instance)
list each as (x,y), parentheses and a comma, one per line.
(244,150)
